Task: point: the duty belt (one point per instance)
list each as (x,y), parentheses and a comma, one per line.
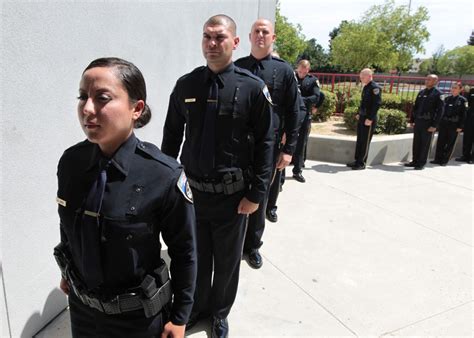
(230,184)
(424,116)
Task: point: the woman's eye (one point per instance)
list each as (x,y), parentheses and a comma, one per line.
(82,97)
(103,98)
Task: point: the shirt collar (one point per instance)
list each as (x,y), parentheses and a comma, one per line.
(259,61)
(122,158)
(221,76)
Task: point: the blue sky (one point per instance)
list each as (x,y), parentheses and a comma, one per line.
(450,23)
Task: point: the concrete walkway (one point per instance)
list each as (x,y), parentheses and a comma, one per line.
(381,252)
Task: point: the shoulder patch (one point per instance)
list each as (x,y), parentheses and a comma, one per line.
(466,104)
(267,94)
(317,83)
(376,91)
(184,188)
(442,97)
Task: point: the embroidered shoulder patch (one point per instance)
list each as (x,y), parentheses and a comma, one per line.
(184,187)
(317,83)
(442,97)
(376,91)
(267,94)
(466,104)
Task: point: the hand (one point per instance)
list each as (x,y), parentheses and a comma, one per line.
(246,207)
(173,331)
(283,161)
(283,139)
(431,129)
(411,124)
(368,122)
(357,116)
(458,130)
(64,286)
(314,110)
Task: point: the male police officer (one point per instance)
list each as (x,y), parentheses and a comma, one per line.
(309,88)
(426,116)
(280,80)
(468,130)
(367,118)
(227,155)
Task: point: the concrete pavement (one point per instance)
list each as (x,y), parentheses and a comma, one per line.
(382,252)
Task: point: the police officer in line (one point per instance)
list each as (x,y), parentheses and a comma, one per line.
(427,113)
(225,114)
(310,92)
(116,195)
(468,130)
(451,124)
(280,80)
(367,118)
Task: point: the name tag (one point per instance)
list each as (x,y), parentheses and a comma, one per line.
(192,99)
(61,201)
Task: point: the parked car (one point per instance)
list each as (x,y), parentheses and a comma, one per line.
(444,86)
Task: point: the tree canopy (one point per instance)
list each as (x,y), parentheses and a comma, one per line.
(290,41)
(458,61)
(386,37)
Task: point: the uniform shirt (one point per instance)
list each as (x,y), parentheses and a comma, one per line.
(244,137)
(144,196)
(455,110)
(371,100)
(281,82)
(470,100)
(309,88)
(428,106)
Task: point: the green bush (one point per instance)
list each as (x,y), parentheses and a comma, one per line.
(328,107)
(354,101)
(391,101)
(390,121)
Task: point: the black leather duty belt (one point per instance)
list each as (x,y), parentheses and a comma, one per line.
(130,301)
(230,184)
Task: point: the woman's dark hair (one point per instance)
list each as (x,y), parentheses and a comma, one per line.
(132,80)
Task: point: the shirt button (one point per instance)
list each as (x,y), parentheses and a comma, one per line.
(132,208)
(129,237)
(138,189)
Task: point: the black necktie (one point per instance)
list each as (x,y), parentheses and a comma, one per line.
(208,141)
(91,260)
(256,68)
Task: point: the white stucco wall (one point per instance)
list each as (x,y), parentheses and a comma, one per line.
(45,45)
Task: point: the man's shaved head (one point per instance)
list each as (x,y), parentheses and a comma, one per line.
(222,20)
(265,22)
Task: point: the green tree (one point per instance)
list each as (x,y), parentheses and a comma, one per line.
(290,42)
(458,61)
(430,66)
(386,37)
(315,53)
(470,42)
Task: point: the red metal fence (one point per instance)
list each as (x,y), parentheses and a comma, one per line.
(407,87)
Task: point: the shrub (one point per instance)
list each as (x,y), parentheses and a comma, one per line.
(391,101)
(390,121)
(354,101)
(327,109)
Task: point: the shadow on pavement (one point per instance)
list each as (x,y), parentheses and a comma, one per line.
(329,168)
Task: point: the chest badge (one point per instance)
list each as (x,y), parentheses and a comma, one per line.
(184,188)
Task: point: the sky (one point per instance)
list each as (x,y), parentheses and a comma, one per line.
(450,23)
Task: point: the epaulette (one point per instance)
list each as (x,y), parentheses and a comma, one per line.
(278,59)
(193,72)
(154,152)
(78,145)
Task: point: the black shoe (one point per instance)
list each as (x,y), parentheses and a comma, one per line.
(220,328)
(461,159)
(443,164)
(436,162)
(299,177)
(195,318)
(255,259)
(359,167)
(351,164)
(410,164)
(419,167)
(272,215)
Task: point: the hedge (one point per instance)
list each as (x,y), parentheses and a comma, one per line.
(390,121)
(328,107)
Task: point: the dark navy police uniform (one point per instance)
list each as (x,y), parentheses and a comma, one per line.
(281,82)
(427,113)
(145,194)
(452,119)
(310,92)
(242,167)
(369,106)
(468,130)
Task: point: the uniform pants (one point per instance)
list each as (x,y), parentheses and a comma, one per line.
(300,152)
(364,136)
(421,142)
(256,224)
(220,234)
(89,322)
(468,138)
(447,137)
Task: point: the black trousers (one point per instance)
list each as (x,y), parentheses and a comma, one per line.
(300,152)
(364,136)
(468,138)
(89,322)
(256,223)
(421,141)
(220,234)
(447,137)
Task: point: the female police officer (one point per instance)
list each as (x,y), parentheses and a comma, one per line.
(116,194)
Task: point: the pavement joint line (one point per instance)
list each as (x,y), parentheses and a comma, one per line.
(447,183)
(427,318)
(401,216)
(310,296)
